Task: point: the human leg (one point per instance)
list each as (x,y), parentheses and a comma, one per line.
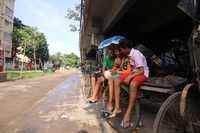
(133,91)
(111,94)
(117,108)
(96,90)
(93,83)
(100,93)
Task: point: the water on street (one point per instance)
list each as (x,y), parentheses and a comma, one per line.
(61,110)
(54,104)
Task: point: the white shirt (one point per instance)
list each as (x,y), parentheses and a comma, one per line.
(137,59)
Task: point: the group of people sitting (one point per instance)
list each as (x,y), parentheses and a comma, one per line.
(122,64)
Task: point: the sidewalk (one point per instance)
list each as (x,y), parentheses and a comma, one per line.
(112,125)
(94,109)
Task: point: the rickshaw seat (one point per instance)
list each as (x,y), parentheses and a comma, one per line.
(165,84)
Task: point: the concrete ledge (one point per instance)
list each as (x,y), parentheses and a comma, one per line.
(3,76)
(106,127)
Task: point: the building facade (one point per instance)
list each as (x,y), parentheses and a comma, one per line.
(6,28)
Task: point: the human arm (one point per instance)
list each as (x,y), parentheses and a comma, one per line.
(116,65)
(126,71)
(105,64)
(137,71)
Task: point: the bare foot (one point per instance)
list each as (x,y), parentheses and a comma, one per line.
(126,122)
(109,107)
(117,111)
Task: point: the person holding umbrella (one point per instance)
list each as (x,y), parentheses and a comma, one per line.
(108,61)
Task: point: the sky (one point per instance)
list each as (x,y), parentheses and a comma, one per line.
(49,17)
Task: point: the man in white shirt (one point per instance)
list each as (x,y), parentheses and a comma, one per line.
(140,73)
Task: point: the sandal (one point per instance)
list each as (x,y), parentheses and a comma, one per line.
(126,124)
(92,101)
(114,114)
(105,114)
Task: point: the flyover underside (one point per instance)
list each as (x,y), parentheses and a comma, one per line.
(156,24)
(153,19)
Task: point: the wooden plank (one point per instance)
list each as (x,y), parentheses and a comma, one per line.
(157,89)
(150,88)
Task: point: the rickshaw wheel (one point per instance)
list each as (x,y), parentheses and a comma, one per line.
(192,116)
(168,119)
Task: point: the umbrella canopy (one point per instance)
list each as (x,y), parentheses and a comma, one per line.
(111,40)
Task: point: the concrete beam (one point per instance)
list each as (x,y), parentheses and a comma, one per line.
(118,9)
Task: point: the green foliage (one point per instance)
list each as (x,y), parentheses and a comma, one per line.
(75,16)
(56,59)
(31,40)
(71,60)
(15,75)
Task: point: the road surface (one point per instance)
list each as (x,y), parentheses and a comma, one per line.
(53,104)
(50,104)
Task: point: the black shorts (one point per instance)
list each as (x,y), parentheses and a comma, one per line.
(97,74)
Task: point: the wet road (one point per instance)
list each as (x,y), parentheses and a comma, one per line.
(60,111)
(32,106)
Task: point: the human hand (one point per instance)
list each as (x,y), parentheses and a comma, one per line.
(120,72)
(127,80)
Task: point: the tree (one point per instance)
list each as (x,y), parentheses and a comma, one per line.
(71,60)
(56,60)
(75,16)
(32,41)
(18,23)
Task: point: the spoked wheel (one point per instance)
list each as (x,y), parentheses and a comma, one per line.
(168,119)
(192,112)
